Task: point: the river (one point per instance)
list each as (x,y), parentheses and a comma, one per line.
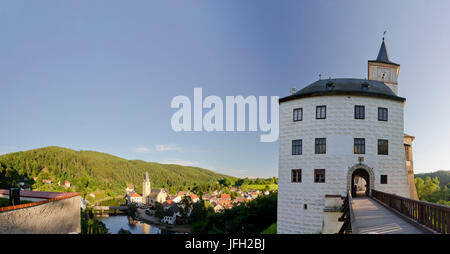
(116,222)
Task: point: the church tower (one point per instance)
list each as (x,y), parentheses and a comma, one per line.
(146,189)
(383,70)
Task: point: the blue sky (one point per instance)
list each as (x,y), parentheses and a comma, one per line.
(100,75)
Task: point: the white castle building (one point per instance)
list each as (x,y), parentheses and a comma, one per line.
(333,131)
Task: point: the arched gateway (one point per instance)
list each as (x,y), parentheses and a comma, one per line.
(363,171)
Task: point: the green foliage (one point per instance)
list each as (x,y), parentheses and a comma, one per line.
(225,182)
(186,204)
(124,232)
(206,188)
(200,211)
(270,230)
(159,210)
(258,184)
(429,190)
(260,187)
(89,171)
(90,225)
(5,202)
(248,218)
(442,175)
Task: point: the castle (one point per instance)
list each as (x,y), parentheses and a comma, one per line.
(340,135)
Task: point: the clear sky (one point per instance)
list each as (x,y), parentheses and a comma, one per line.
(100,75)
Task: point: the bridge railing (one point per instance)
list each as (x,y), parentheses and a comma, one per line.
(348,217)
(430,215)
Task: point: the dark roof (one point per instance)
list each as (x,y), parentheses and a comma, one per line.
(174,208)
(383,56)
(362,87)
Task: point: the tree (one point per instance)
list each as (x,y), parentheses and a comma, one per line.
(225,182)
(430,187)
(186,205)
(90,225)
(419,187)
(124,232)
(248,218)
(159,210)
(201,210)
(429,190)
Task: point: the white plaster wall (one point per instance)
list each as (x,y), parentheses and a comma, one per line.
(339,128)
(57,217)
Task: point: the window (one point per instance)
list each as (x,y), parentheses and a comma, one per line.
(359,112)
(360,146)
(383,179)
(297,147)
(319,175)
(383,147)
(407,152)
(382,114)
(321,145)
(296,176)
(321,112)
(298,114)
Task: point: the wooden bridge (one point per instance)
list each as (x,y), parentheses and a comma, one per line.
(385,213)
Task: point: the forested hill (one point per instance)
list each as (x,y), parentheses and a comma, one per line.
(442,175)
(89,171)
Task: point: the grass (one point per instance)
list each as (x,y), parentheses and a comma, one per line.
(5,202)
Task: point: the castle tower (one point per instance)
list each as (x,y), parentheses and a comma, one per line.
(408,139)
(146,189)
(383,70)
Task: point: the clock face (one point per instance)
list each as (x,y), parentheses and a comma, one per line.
(384,74)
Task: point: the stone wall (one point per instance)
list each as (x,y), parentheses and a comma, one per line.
(339,128)
(56,217)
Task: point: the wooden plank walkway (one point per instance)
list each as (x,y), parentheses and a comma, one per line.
(373,218)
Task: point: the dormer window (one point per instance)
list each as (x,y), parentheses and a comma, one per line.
(365,86)
(329,85)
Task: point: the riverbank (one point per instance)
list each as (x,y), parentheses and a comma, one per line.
(140,214)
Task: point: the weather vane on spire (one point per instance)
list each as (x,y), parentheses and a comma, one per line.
(384,33)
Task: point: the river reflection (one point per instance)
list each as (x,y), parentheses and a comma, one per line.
(115,223)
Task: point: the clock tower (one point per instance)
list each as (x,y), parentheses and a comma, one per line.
(384,70)
(146,189)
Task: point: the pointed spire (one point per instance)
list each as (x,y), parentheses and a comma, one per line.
(383,55)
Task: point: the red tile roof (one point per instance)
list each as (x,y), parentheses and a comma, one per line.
(134,195)
(193,196)
(224,202)
(225,196)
